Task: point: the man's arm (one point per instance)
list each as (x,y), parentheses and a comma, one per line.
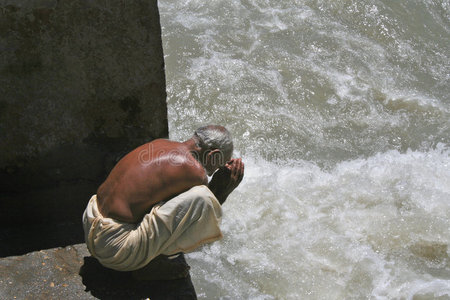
(226,179)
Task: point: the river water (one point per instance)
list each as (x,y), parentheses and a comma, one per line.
(341,112)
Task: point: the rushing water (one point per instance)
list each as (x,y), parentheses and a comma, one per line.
(341,112)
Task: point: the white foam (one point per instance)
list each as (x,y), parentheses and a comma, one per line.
(336,232)
(305,85)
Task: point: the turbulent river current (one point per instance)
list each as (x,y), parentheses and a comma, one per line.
(341,113)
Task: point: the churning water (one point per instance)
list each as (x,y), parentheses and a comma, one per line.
(341,112)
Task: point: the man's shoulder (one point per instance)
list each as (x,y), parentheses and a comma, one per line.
(164,142)
(176,156)
(175,160)
(180,170)
(190,164)
(162,147)
(193,170)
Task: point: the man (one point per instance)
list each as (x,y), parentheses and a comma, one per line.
(155,200)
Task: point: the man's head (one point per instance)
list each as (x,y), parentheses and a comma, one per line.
(216,146)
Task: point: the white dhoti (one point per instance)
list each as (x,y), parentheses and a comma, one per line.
(181,224)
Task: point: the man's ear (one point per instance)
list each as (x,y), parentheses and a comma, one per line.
(213,152)
(206,156)
(216,156)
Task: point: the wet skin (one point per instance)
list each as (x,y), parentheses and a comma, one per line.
(160,170)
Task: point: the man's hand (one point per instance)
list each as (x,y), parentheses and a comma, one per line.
(227,178)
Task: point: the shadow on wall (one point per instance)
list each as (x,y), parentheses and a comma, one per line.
(81,84)
(43,218)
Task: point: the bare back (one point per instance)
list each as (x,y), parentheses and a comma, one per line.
(151,173)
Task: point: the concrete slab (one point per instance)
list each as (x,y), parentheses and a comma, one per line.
(71,273)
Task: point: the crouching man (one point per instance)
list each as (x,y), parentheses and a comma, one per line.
(157,200)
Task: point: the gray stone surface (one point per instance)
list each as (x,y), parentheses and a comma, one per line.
(77,78)
(81,83)
(45,274)
(70,273)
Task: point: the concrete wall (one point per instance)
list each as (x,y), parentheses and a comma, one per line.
(81,83)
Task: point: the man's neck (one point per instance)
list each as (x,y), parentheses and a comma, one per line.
(194,148)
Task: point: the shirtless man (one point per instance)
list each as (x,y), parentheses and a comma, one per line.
(159,170)
(157,200)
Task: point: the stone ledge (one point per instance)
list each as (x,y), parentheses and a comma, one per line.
(71,273)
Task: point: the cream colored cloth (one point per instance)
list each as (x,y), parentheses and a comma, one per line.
(181,224)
